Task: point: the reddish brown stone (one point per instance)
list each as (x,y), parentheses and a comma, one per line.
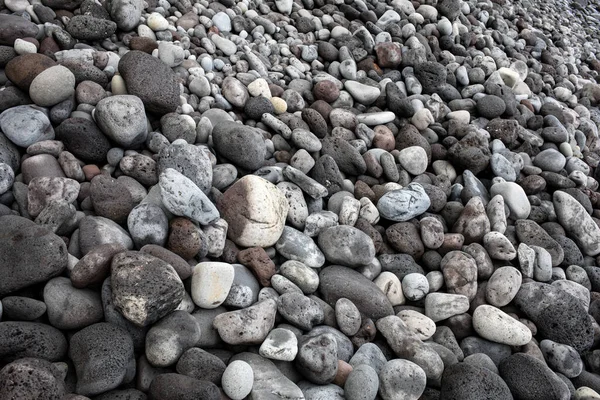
(184,238)
(404,237)
(365,334)
(384,138)
(259,262)
(90,171)
(343,371)
(327,91)
(23,69)
(94,267)
(144,44)
(389,55)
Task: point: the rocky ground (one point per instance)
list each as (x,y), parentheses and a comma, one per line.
(310,199)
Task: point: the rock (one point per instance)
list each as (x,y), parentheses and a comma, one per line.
(300,310)
(52,86)
(96,231)
(362,382)
(229,136)
(404,204)
(145,288)
(170,337)
(17,308)
(491,106)
(84,139)
(190,161)
(503,285)
(70,308)
(295,245)
(441,306)
(493,324)
(182,197)
(317,358)
(171,386)
(102,354)
(148,225)
(44,190)
(255,211)
(31,378)
(413,159)
(468,382)
(151,80)
(401,379)
(337,282)
(20,339)
(200,364)
(247,326)
(31,254)
(532,234)
(346,245)
(577,222)
(211,283)
(25,125)
(558,315)
(528,377)
(280,344)
(238,380)
(562,358)
(88,27)
(13,27)
(122,118)
(514,198)
(126,13)
(111,198)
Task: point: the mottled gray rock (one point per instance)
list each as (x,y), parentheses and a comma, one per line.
(404,204)
(170,337)
(346,245)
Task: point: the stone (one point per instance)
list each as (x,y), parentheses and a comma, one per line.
(346,245)
(25,125)
(13,27)
(299,310)
(577,222)
(170,337)
(21,339)
(413,159)
(31,377)
(84,139)
(503,285)
(211,282)
(495,325)
(94,267)
(96,231)
(362,382)
(151,80)
(182,197)
(317,358)
(200,364)
(31,254)
(562,358)
(530,233)
(255,211)
(280,344)
(337,282)
(122,118)
(469,382)
(514,197)
(17,308)
(148,225)
(528,377)
(247,326)
(145,288)
(111,199)
(44,190)
(52,86)
(238,380)
(102,354)
(491,106)
(441,306)
(404,204)
(88,27)
(70,308)
(126,13)
(401,379)
(171,386)
(229,136)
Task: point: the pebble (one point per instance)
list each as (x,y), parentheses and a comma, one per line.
(211,282)
(52,86)
(168,339)
(404,204)
(281,344)
(493,324)
(238,379)
(580,225)
(346,245)
(25,125)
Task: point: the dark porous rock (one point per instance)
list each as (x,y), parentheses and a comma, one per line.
(84,71)
(96,231)
(504,129)
(178,387)
(62,4)
(87,27)
(529,378)
(471,152)
(327,173)
(102,354)
(12,96)
(94,267)
(337,282)
(572,253)
(491,106)
(229,137)
(151,80)
(532,234)
(257,106)
(31,378)
(13,27)
(70,308)
(188,159)
(29,254)
(145,288)
(18,308)
(170,337)
(200,364)
(84,139)
(558,315)
(468,382)
(20,339)
(431,75)
(347,158)
(126,394)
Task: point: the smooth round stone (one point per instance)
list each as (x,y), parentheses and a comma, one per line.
(495,325)
(170,54)
(228,137)
(19,308)
(390,285)
(503,168)
(126,14)
(211,282)
(148,224)
(376,118)
(295,245)
(317,357)
(514,197)
(300,310)
(280,344)
(503,285)
(25,125)
(441,306)
(237,380)
(200,86)
(362,383)
(346,245)
(24,47)
(422,119)
(401,379)
(52,86)
(347,316)
(498,246)
(562,358)
(404,204)
(157,22)
(413,159)
(362,93)
(70,308)
(301,275)
(170,337)
(122,118)
(491,106)
(182,197)
(415,286)
(199,364)
(550,160)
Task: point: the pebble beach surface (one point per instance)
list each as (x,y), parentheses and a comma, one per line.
(299,199)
